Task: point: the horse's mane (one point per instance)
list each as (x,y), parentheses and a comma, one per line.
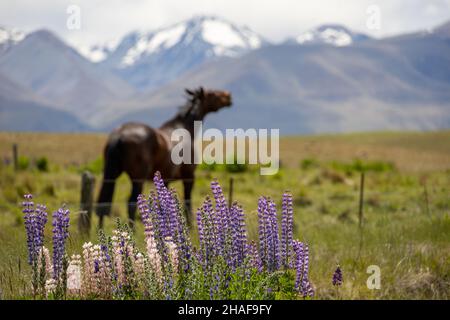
(191,106)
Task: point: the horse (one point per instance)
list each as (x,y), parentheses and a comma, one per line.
(140,150)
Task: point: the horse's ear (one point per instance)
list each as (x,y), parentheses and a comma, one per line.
(201,92)
(189,92)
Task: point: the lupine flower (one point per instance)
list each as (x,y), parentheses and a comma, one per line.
(269,243)
(308,290)
(153,256)
(35,221)
(139,264)
(222,219)
(286,230)
(50,286)
(173,253)
(74,275)
(298,250)
(262,204)
(274,253)
(44,255)
(163,208)
(302,283)
(183,243)
(123,250)
(60,234)
(145,214)
(253,256)
(239,235)
(207,232)
(337,277)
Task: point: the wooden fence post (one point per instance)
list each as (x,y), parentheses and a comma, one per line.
(15,157)
(230,193)
(87,198)
(360,214)
(361,200)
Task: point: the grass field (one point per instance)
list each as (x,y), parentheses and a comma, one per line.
(406,225)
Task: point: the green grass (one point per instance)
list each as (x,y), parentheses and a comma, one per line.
(406,231)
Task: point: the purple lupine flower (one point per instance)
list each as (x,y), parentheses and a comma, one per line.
(163,211)
(308,290)
(222,221)
(200,229)
(302,283)
(156,225)
(41,220)
(286,230)
(262,204)
(96,266)
(28,210)
(208,240)
(298,250)
(337,277)
(269,243)
(269,237)
(181,236)
(275,242)
(173,220)
(106,255)
(60,234)
(145,214)
(35,221)
(239,236)
(252,254)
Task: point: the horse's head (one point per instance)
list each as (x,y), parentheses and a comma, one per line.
(209,100)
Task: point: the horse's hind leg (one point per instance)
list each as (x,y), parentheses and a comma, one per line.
(135,191)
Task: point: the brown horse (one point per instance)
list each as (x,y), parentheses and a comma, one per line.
(140,151)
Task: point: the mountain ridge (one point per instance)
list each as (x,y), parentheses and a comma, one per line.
(395,82)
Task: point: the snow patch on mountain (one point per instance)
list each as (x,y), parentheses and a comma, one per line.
(153,42)
(335,35)
(98,52)
(9,37)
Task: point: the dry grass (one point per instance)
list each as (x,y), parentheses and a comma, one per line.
(409,151)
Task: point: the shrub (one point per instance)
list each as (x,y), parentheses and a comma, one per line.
(23,163)
(309,163)
(42,164)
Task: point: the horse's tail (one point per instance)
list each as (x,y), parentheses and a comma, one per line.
(112,170)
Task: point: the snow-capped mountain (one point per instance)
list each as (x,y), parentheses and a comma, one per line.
(150,59)
(331,34)
(9,37)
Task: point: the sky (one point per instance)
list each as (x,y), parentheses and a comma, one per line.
(104,20)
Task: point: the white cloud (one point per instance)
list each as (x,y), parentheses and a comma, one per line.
(103,20)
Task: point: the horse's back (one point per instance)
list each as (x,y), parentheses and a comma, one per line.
(133,132)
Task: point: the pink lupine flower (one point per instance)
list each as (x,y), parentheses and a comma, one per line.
(50,287)
(74,275)
(153,255)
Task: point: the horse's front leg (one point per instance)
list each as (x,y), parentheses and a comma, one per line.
(132,201)
(188,184)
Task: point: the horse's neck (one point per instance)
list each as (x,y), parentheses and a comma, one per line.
(179,122)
